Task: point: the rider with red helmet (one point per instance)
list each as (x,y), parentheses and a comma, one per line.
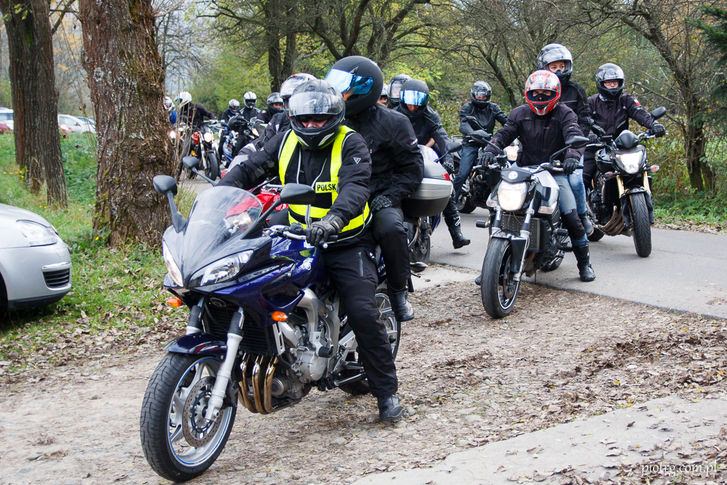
(543,125)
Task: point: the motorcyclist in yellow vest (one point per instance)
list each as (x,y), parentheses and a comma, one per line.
(333,159)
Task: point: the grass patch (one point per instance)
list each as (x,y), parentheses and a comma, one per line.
(114,290)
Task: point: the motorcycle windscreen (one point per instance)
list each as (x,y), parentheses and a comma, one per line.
(219,216)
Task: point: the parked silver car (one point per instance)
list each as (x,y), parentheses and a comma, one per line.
(35,264)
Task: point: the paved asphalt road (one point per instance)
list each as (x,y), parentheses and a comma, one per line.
(686,271)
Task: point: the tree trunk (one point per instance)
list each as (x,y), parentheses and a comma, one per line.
(126,79)
(700,174)
(35,98)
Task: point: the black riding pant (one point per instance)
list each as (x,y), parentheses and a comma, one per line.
(589,168)
(352,270)
(390,234)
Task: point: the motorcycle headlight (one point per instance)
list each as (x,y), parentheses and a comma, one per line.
(511,196)
(172,266)
(173,134)
(630,162)
(222,270)
(208,137)
(36,233)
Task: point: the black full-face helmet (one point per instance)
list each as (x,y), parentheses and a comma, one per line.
(610,72)
(317,102)
(414,97)
(359,80)
(552,53)
(480,93)
(395,89)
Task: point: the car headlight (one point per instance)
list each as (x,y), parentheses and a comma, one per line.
(208,137)
(630,161)
(511,196)
(36,233)
(172,266)
(222,270)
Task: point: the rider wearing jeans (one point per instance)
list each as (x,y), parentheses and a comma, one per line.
(334,160)
(486,113)
(543,125)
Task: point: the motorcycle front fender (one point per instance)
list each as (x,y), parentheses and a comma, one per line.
(198,344)
(519,245)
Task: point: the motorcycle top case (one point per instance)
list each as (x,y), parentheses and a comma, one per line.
(433,193)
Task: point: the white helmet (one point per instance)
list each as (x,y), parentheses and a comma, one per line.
(250,99)
(184,98)
(168,104)
(234,105)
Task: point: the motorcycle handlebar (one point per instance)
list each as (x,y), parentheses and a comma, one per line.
(296,234)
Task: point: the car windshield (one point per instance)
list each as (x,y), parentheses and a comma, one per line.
(218,217)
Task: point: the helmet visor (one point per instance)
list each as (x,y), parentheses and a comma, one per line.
(345,82)
(314,104)
(480,93)
(415,98)
(541,96)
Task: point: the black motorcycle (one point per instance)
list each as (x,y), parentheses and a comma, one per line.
(525,229)
(200,145)
(620,201)
(235,134)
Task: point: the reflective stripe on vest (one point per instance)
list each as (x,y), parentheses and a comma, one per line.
(329,186)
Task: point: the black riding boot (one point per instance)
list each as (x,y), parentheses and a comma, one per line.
(585,269)
(403,310)
(451,217)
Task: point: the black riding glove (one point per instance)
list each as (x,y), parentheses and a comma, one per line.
(658,130)
(488,158)
(570,165)
(448,165)
(380,202)
(593,138)
(480,134)
(320,231)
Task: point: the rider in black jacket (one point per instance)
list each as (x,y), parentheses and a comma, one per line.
(274,105)
(304,155)
(233,108)
(558,60)
(397,166)
(611,109)
(543,125)
(486,113)
(429,131)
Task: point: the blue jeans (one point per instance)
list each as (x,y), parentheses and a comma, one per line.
(467,161)
(579,190)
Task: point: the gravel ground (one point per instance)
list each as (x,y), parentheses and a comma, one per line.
(465,379)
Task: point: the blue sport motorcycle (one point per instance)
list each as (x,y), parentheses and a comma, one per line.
(264,326)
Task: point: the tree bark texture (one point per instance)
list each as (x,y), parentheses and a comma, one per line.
(126,77)
(35,98)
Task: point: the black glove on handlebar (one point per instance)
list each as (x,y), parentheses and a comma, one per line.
(320,231)
(488,158)
(593,138)
(481,134)
(658,130)
(570,165)
(448,166)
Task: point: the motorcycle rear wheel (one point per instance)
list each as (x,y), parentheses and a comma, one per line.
(498,289)
(640,224)
(172,415)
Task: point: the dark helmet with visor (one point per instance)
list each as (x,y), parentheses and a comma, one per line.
(542,92)
(315,101)
(610,72)
(272,100)
(480,93)
(552,53)
(414,92)
(359,80)
(395,88)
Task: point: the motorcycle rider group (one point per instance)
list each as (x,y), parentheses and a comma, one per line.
(355,141)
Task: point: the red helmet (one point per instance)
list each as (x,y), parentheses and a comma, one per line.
(547,96)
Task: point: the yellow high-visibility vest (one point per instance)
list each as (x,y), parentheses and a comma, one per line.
(326,183)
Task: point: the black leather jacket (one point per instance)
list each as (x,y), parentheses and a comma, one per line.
(574,96)
(427,125)
(540,136)
(486,116)
(397,164)
(613,114)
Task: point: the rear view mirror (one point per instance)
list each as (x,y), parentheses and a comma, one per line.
(164,184)
(658,112)
(577,141)
(190,162)
(297,194)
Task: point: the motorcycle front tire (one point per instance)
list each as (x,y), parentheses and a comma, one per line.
(641,227)
(213,170)
(497,289)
